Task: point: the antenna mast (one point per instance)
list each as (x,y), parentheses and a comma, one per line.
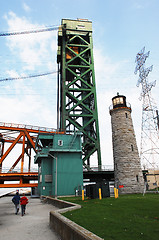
(149,148)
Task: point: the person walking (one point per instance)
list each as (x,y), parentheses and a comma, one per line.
(16,200)
(23,203)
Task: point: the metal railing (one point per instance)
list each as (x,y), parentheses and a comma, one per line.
(30,127)
(18,170)
(98,168)
(111,107)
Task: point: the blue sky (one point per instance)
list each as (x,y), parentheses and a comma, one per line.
(121,28)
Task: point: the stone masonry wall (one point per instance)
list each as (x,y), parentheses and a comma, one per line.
(127,167)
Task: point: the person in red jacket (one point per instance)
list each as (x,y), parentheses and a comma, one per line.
(23,203)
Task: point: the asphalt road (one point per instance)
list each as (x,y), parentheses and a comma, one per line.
(34,225)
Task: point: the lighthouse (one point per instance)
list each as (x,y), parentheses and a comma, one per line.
(127,168)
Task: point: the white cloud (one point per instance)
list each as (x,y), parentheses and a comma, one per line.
(112,77)
(34,49)
(26,7)
(104,67)
(141,4)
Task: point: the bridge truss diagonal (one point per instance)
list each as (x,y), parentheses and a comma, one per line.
(17,146)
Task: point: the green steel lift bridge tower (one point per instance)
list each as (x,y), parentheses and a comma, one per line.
(76,98)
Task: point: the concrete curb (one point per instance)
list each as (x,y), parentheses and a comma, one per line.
(63,226)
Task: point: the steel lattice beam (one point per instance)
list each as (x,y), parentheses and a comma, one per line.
(24,135)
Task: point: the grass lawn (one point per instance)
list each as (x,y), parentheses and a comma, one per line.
(128,217)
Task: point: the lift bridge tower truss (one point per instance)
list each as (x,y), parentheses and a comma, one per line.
(77,103)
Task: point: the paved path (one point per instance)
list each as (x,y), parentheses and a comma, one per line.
(34,225)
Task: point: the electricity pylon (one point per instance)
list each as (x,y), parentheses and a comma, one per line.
(149,146)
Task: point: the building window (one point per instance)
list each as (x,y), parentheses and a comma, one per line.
(40,178)
(126,115)
(48,178)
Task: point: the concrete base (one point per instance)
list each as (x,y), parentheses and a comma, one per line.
(65,227)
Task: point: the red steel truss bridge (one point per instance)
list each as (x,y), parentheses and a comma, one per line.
(17,145)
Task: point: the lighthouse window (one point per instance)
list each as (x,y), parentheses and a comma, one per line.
(137,178)
(118,100)
(132,147)
(116,167)
(126,115)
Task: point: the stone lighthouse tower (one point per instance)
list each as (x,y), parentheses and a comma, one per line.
(127,168)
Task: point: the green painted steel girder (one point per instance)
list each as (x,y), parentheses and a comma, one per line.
(77,108)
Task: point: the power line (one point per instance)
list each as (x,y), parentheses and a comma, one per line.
(6,34)
(30,76)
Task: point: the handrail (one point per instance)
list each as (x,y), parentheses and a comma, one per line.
(128,105)
(99,168)
(18,170)
(30,127)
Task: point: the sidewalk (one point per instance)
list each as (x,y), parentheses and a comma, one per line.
(33,225)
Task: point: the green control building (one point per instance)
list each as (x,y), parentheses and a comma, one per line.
(59,159)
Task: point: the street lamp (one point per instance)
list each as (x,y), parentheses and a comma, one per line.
(56,174)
